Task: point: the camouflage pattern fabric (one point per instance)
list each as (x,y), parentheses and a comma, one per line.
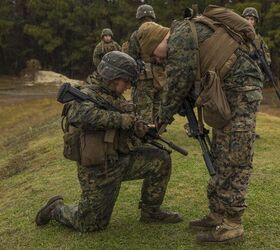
(145,95)
(102,48)
(134,49)
(100,184)
(262,46)
(232,145)
(233,155)
(99,193)
(147,99)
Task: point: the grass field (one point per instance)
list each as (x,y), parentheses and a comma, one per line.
(32,169)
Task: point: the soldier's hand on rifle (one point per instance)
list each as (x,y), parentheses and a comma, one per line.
(141,128)
(127,121)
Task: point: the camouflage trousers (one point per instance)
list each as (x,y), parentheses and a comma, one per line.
(147,99)
(233,155)
(100,188)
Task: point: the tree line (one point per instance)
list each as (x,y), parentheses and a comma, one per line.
(62,34)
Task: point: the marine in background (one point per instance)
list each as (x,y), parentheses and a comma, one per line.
(147,94)
(252,16)
(106,45)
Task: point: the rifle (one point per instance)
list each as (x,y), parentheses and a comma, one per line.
(202,136)
(263,65)
(67,93)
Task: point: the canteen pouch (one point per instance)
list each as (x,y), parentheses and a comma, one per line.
(71,149)
(216,110)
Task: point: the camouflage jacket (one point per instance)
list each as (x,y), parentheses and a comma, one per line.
(181,68)
(149,69)
(102,48)
(262,46)
(134,49)
(88,117)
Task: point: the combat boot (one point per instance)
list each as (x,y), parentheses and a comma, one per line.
(207,222)
(155,214)
(45,214)
(231,230)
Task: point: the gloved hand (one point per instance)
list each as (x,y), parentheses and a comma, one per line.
(140,128)
(127,121)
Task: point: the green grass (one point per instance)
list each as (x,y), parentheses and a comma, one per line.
(32,169)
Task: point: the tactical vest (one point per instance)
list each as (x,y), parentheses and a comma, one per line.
(152,71)
(92,147)
(216,57)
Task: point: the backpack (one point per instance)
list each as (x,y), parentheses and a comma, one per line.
(216,58)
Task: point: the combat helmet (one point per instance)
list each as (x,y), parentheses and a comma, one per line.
(116,64)
(250,11)
(145,10)
(107,32)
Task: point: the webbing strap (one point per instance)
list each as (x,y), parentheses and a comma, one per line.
(198,78)
(194,32)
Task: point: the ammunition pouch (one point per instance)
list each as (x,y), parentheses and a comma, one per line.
(216,110)
(96,147)
(71,148)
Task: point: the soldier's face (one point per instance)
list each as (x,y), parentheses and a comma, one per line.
(107,38)
(160,51)
(121,86)
(251,20)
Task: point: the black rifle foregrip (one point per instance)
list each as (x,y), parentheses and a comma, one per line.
(178,149)
(209,164)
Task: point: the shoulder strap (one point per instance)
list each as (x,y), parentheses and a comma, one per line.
(194,32)
(198,78)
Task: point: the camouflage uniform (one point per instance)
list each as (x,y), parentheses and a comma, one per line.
(262,46)
(260,43)
(100,183)
(147,94)
(103,47)
(232,145)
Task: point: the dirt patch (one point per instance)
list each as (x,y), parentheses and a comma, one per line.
(50,77)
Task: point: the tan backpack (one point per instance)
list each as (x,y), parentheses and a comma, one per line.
(217,57)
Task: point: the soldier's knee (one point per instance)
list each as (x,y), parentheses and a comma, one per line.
(166,161)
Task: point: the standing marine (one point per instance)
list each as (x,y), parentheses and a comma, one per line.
(147,93)
(208,63)
(252,16)
(106,45)
(107,151)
